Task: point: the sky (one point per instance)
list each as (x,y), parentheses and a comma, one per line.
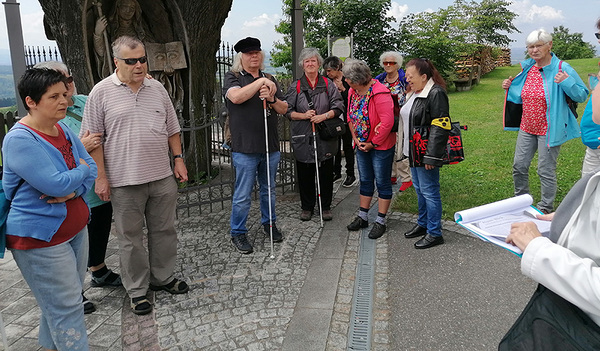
(258,18)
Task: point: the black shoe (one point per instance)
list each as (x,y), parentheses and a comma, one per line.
(350,181)
(377,230)
(416,231)
(241,243)
(277,236)
(336,177)
(429,241)
(88,306)
(357,223)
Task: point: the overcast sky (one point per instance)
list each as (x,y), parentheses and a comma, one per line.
(258,17)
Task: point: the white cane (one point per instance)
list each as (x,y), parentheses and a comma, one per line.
(317,168)
(268,175)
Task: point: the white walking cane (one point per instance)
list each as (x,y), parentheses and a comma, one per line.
(317,168)
(268,175)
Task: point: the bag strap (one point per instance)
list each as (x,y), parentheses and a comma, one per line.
(74,115)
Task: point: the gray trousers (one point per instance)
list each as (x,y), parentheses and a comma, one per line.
(527,144)
(155,203)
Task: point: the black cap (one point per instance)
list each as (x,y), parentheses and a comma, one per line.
(247,45)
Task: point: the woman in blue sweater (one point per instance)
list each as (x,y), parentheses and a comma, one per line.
(46,172)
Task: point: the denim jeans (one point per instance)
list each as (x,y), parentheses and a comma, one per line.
(375,168)
(427,186)
(55,275)
(249,167)
(525,149)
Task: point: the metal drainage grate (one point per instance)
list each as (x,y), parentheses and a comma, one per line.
(362,303)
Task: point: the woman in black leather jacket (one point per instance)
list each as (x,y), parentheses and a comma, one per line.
(427,107)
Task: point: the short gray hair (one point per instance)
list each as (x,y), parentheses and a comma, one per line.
(55,65)
(357,71)
(395,54)
(125,40)
(307,53)
(538,35)
(237,66)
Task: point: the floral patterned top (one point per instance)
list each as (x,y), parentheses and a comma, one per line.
(398,90)
(359,114)
(534,104)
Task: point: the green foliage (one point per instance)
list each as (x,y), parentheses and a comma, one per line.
(486,174)
(568,46)
(461,28)
(365,18)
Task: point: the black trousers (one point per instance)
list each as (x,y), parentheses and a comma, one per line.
(346,141)
(308,186)
(98,233)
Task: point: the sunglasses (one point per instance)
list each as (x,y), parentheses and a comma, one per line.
(69,79)
(133,61)
(389,63)
(597,35)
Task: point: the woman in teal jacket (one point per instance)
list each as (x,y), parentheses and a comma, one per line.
(536,106)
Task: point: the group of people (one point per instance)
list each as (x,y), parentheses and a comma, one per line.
(119,148)
(370,107)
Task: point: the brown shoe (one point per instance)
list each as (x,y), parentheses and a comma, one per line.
(327,215)
(305,215)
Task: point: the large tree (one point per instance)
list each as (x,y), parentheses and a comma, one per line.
(569,46)
(197,23)
(365,19)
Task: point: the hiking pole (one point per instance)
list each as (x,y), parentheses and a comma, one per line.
(268,176)
(317,168)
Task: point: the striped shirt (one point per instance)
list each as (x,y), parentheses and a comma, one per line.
(136,128)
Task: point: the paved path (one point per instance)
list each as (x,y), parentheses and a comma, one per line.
(463,295)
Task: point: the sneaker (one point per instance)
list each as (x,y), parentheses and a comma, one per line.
(242,244)
(327,215)
(110,278)
(336,177)
(350,181)
(394,180)
(277,236)
(305,215)
(377,230)
(88,306)
(405,185)
(357,223)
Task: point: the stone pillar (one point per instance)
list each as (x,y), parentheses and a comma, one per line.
(16,45)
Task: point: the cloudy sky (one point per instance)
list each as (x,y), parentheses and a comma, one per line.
(258,18)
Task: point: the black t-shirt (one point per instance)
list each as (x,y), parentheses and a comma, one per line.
(246,120)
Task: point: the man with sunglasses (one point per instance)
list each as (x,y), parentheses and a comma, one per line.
(139,128)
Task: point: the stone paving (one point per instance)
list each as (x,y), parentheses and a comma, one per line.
(235,302)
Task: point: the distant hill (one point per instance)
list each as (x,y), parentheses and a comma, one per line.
(7,85)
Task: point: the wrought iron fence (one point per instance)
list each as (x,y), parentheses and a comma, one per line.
(36,54)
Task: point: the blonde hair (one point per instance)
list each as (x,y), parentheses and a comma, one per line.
(237,67)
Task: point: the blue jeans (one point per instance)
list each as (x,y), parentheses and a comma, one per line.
(249,167)
(427,186)
(375,166)
(55,275)
(526,146)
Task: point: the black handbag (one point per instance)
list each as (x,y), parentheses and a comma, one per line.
(454,152)
(551,323)
(329,128)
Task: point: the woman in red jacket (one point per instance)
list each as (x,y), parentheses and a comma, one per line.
(370,118)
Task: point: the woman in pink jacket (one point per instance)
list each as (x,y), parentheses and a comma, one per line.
(370,118)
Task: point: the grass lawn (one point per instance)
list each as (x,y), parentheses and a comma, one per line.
(486,173)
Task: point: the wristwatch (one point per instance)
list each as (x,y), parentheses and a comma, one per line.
(178,156)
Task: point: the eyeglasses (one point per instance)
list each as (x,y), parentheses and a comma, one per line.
(533,47)
(597,35)
(133,61)
(69,79)
(389,63)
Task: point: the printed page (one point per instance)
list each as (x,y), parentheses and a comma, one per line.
(499,226)
(517,203)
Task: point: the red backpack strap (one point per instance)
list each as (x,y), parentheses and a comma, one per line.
(298,86)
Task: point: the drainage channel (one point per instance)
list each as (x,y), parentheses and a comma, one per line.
(361,318)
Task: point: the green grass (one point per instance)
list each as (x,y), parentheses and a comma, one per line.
(486,173)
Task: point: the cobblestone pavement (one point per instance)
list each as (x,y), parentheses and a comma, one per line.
(235,302)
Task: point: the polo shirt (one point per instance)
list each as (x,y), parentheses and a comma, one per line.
(136,128)
(247,120)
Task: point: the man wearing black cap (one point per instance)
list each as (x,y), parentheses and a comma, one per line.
(244,89)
